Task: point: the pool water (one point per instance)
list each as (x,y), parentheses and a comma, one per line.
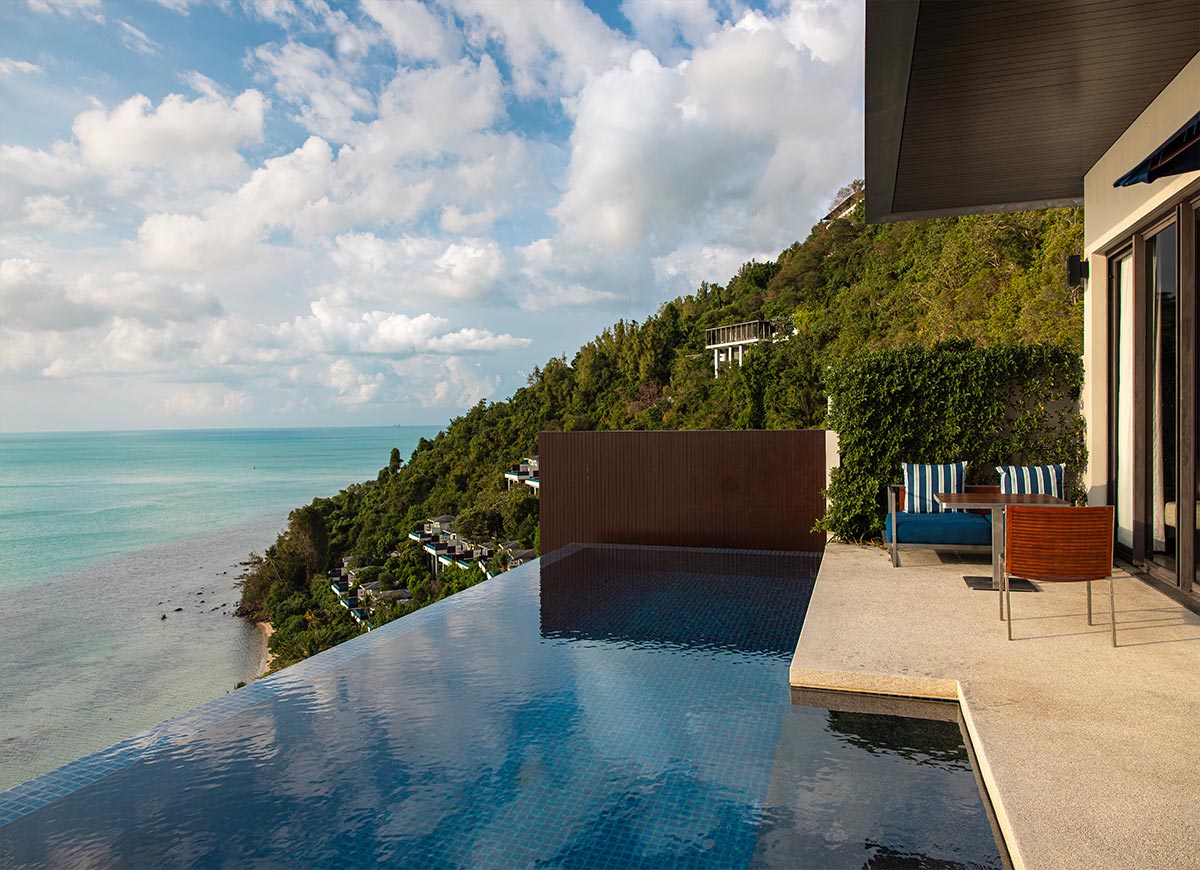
(603,707)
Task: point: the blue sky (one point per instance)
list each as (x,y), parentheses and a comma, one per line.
(298,212)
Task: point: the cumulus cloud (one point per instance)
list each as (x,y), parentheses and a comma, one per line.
(330,329)
(414,31)
(456,156)
(326,99)
(668,27)
(663,153)
(424,267)
(686,267)
(57,213)
(471,338)
(287,192)
(124,345)
(31,296)
(440,381)
(206,400)
(184,137)
(147,298)
(353,387)
(552,48)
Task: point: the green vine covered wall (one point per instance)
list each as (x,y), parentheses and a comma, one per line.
(998,405)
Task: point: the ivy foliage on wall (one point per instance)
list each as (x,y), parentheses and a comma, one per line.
(998,405)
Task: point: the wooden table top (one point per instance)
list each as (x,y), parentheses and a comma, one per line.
(979,500)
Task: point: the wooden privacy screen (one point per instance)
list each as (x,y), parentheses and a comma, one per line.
(756,490)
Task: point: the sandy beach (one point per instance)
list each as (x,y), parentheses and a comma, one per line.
(265,629)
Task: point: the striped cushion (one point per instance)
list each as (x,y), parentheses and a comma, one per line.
(922,481)
(1043,479)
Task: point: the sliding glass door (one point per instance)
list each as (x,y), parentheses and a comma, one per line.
(1162,398)
(1124,387)
(1154,361)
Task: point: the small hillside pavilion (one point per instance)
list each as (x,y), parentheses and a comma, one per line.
(976,107)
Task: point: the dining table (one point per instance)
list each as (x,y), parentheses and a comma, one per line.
(996,502)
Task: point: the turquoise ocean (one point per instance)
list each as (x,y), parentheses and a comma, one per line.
(102,533)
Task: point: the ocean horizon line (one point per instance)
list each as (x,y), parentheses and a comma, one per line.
(23,432)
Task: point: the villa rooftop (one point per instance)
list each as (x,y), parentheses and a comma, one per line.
(1076,742)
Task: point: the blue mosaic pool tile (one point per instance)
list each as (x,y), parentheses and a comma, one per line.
(606,707)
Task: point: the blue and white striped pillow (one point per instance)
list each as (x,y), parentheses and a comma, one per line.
(1043,479)
(922,481)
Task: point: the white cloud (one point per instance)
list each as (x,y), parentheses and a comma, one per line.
(557,277)
(662,155)
(196,240)
(31,296)
(287,192)
(431,111)
(472,339)
(353,387)
(661,25)
(468,269)
(413,30)
(455,220)
(328,101)
(136,40)
(553,48)
(830,29)
(125,345)
(58,213)
(685,268)
(423,267)
(180,6)
(185,137)
(56,168)
(11,66)
(203,85)
(440,381)
(333,329)
(86,8)
(206,400)
(147,298)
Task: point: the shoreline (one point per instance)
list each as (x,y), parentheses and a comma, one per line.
(265,658)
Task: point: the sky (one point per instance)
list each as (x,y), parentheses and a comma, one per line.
(228,213)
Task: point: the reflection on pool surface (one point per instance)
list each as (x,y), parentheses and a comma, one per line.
(606,707)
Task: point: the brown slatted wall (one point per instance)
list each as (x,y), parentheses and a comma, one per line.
(758,490)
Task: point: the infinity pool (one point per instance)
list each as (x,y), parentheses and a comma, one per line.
(606,707)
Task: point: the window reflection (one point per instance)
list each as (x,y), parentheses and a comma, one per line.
(1163,393)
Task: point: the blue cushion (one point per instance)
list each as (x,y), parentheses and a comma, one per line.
(946,528)
(1043,479)
(921,482)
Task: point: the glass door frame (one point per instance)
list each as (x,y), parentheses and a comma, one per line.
(1184,214)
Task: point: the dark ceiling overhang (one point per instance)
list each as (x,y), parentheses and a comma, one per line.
(1000,105)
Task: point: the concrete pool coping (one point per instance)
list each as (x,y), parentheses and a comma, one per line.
(1084,750)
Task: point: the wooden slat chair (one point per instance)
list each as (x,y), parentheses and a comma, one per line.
(1060,545)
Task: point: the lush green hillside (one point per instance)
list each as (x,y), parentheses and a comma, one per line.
(848,287)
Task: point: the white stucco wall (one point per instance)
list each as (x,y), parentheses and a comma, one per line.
(1110,214)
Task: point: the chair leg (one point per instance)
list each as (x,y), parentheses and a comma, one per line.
(1089,598)
(1112,610)
(1008,601)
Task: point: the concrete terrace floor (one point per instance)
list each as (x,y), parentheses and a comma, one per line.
(1087,752)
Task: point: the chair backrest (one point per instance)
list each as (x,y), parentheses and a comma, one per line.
(1058,544)
(971,487)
